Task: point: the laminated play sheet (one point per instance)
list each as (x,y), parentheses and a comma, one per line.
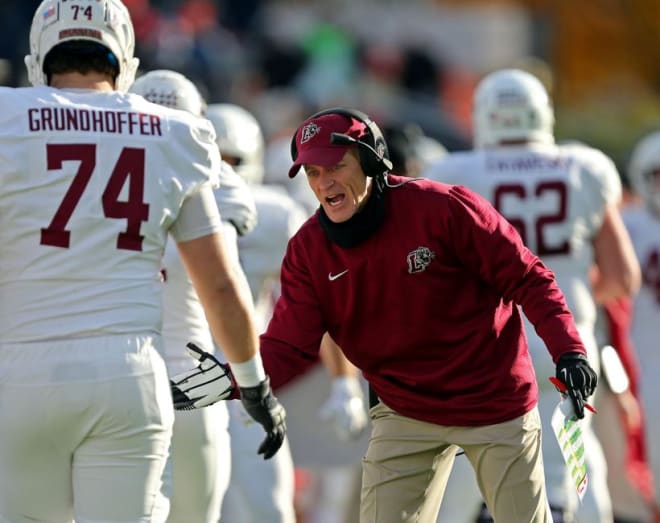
(566,427)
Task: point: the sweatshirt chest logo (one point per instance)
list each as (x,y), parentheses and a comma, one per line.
(419,259)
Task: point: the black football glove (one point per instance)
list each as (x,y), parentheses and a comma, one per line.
(264,408)
(209,382)
(574,371)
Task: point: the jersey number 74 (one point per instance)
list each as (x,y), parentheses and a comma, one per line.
(129,168)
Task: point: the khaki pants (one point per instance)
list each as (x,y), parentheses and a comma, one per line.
(405,470)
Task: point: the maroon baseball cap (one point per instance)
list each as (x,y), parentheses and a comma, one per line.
(313,140)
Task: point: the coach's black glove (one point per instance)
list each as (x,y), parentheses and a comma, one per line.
(580,379)
(264,408)
(209,382)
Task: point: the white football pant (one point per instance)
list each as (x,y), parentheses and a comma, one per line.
(200,464)
(85,428)
(260,491)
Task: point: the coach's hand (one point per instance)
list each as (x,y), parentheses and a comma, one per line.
(580,379)
(264,408)
(209,382)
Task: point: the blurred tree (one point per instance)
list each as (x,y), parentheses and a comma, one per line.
(594,45)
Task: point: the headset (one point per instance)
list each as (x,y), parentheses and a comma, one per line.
(374,156)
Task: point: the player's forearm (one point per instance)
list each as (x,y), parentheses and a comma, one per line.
(604,291)
(618,280)
(617,273)
(223,291)
(230,315)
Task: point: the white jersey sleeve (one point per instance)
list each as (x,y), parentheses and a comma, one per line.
(602,181)
(235,200)
(90,184)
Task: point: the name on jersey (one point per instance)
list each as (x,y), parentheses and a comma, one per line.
(77,119)
(528,163)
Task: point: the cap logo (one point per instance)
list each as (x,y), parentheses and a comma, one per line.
(308,132)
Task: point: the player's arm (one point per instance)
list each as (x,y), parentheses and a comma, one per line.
(227,304)
(221,291)
(616,272)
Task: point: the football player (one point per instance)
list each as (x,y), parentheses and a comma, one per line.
(563,201)
(94,181)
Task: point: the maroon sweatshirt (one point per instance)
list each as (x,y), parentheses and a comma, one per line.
(425,307)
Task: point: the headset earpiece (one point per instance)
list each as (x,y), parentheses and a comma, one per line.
(294,149)
(374,157)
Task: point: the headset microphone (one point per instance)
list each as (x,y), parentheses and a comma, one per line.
(344,139)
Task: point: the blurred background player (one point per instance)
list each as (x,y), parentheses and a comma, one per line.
(643,223)
(277,157)
(200,456)
(563,200)
(620,425)
(94,181)
(257,491)
(241,143)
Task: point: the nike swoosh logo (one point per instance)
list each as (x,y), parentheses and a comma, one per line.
(333,277)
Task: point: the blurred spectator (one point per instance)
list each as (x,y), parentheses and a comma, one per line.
(15,19)
(421,75)
(279,62)
(406,84)
(239,16)
(329,70)
(146,20)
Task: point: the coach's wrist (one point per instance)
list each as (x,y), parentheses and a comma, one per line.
(249,373)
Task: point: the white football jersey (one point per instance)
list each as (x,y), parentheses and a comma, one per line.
(90,184)
(555,196)
(261,251)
